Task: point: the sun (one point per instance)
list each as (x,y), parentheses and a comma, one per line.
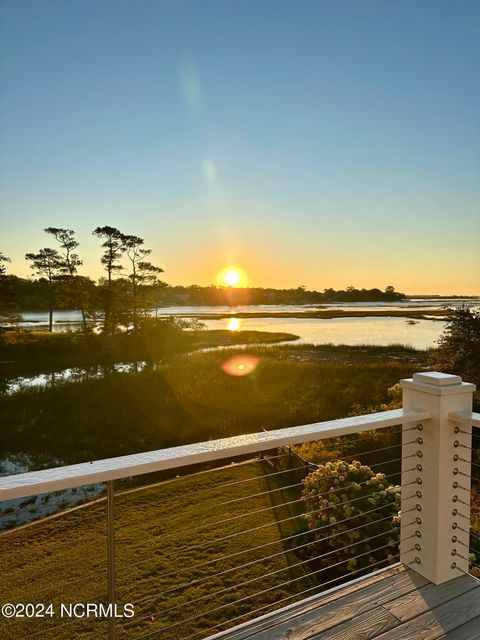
(231,276)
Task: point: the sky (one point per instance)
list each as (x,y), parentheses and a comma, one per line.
(322,143)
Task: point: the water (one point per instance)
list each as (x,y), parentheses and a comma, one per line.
(72,374)
(420,334)
(71,320)
(20,511)
(381,330)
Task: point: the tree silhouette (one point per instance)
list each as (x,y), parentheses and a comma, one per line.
(143,272)
(7,293)
(3,259)
(114,249)
(47,263)
(69,263)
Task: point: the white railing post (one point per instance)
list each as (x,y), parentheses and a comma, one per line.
(436,478)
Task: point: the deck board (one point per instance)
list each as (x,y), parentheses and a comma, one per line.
(469,631)
(435,623)
(366,626)
(394,604)
(429,597)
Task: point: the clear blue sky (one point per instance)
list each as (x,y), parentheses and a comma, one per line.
(316,142)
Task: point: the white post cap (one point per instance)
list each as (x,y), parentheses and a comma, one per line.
(437,383)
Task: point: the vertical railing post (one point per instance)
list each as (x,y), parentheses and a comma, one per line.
(111,556)
(436,478)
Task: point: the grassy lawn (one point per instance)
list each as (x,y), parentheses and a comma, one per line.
(170,541)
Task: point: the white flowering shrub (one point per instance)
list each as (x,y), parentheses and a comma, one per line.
(353,518)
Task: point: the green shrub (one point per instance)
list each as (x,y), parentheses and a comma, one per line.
(458,350)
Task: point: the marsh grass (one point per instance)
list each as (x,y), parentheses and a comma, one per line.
(433,314)
(41,351)
(191,399)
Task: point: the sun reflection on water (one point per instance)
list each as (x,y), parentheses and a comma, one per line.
(233,324)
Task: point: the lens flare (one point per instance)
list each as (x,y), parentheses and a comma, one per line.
(233,324)
(209,170)
(241,365)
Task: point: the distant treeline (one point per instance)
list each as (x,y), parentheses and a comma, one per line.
(34,295)
(196,295)
(121,300)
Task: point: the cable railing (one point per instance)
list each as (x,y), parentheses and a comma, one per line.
(467,486)
(246,526)
(248,572)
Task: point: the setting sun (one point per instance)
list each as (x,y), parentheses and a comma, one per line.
(231,277)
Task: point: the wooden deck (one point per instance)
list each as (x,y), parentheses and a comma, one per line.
(393,604)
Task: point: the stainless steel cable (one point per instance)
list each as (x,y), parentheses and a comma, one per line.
(457,568)
(474,464)
(263,510)
(282,472)
(408,511)
(464,530)
(162,536)
(269,524)
(56,627)
(256,611)
(249,597)
(463,557)
(263,558)
(91,558)
(271,573)
(210,488)
(366,453)
(264,526)
(209,525)
(59,518)
(71,582)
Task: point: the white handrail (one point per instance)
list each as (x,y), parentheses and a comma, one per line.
(468,418)
(56,479)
